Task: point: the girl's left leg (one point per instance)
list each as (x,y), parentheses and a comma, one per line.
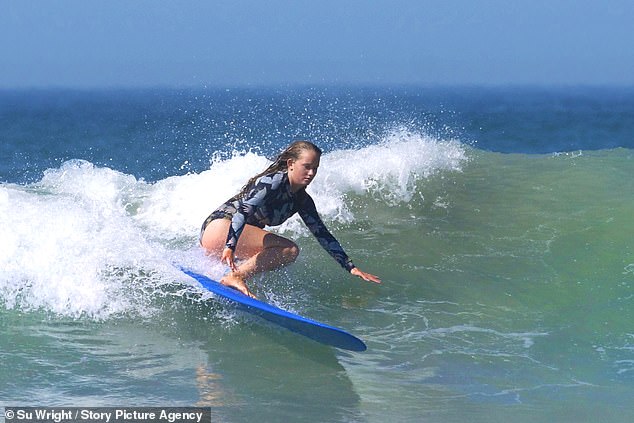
(263,251)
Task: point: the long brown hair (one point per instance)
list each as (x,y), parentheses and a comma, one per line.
(280,163)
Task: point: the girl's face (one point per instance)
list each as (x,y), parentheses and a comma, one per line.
(302,171)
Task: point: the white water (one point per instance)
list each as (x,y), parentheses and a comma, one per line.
(90,241)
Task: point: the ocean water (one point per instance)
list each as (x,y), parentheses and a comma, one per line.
(499,219)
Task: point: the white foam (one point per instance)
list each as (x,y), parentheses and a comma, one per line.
(70,243)
(178,205)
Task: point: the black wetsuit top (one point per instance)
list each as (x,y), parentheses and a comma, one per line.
(270,203)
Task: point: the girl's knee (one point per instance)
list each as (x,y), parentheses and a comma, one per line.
(286,250)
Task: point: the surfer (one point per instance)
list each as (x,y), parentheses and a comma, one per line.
(269,199)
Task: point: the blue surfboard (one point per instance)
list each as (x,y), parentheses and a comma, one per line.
(312,329)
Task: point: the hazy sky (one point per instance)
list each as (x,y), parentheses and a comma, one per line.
(86,43)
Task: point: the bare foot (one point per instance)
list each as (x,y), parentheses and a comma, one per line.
(233,281)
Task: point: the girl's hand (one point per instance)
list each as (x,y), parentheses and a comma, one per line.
(228,257)
(365,276)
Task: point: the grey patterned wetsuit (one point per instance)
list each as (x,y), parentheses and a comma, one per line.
(270,203)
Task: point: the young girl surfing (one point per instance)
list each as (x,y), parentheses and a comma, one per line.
(269,199)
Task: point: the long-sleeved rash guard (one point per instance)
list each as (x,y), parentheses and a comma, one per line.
(270,203)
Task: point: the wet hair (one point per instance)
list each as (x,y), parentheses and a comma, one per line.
(280,163)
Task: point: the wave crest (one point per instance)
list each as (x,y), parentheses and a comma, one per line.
(88,240)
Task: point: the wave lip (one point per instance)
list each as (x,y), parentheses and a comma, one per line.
(391,169)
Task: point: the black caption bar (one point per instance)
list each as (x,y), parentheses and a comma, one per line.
(107,414)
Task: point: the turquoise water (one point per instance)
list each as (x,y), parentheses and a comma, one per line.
(507,271)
